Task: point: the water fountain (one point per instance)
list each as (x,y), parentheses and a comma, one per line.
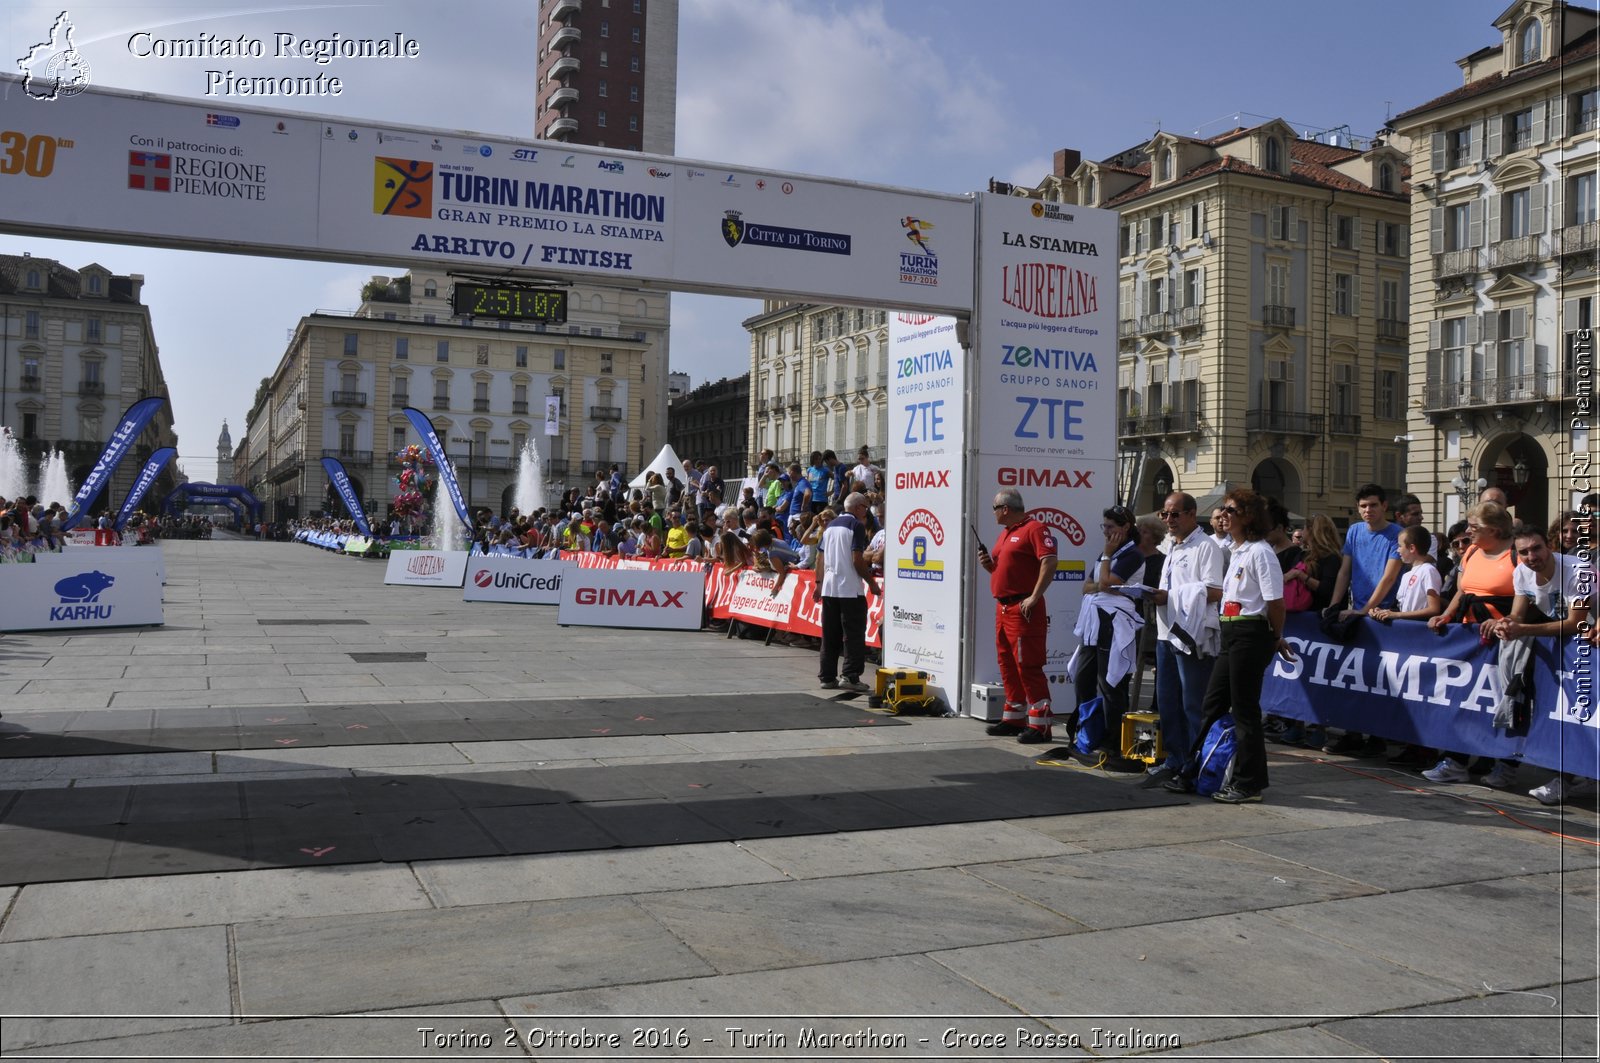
(53,483)
(529,495)
(13,477)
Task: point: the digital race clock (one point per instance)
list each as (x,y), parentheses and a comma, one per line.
(509,302)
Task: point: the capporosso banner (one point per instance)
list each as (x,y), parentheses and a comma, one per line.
(171,172)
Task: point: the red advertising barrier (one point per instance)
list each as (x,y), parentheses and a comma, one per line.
(746,594)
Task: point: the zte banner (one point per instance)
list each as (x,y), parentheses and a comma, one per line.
(598,597)
(514,579)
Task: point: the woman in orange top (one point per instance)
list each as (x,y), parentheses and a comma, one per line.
(1484,589)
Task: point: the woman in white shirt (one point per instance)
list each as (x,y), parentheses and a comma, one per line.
(1252,631)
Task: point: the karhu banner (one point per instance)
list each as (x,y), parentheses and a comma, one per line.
(122,440)
(141,486)
(447,471)
(341,483)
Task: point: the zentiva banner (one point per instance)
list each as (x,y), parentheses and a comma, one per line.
(447,471)
(1406,683)
(141,486)
(122,440)
(341,483)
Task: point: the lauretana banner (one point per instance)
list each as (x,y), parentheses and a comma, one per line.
(133,422)
(447,471)
(1407,683)
(141,486)
(347,492)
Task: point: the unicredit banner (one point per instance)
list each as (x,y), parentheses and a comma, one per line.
(614,597)
(496,578)
(164,171)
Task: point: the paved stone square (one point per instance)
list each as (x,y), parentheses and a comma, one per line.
(818,883)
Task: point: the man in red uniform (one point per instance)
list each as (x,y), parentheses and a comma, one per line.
(1020,571)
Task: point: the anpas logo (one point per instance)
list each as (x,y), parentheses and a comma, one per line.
(913,481)
(1069,478)
(402,188)
(425,565)
(922,265)
(919,566)
(1054,358)
(926,362)
(85,587)
(630,598)
(525,154)
(610,166)
(1062,522)
(656,171)
(1048,290)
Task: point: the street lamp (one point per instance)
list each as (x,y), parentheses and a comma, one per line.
(1466,487)
(468,441)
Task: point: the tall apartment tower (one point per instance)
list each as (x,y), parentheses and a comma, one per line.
(608,77)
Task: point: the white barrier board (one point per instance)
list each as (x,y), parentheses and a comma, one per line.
(530,581)
(426,568)
(99,590)
(598,597)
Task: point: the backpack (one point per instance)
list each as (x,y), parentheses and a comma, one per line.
(1296,595)
(1216,757)
(1091,725)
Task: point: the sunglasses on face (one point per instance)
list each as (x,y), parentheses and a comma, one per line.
(998,506)
(1170,514)
(1232,511)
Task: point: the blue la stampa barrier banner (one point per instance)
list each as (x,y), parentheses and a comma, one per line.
(1407,683)
(122,440)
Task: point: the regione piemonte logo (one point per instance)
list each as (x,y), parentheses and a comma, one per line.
(150,171)
(402,188)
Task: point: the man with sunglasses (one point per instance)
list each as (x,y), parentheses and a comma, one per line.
(1187,633)
(1020,571)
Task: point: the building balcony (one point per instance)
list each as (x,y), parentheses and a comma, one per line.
(861,382)
(561,127)
(1577,239)
(441,402)
(605,413)
(519,405)
(1460,263)
(350,457)
(30,382)
(1127,328)
(819,388)
(883,378)
(1518,251)
(555,467)
(565,96)
(1284,422)
(1443,395)
(1187,317)
(349,398)
(840,384)
(286,469)
(567,64)
(1344,424)
(1175,423)
(480,405)
(1158,322)
(1391,330)
(761,406)
(91,389)
(591,467)
(399,399)
(565,9)
(1274,316)
(566,35)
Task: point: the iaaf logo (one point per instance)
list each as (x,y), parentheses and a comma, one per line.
(656,171)
(921,518)
(1069,478)
(525,581)
(630,598)
(1062,522)
(425,565)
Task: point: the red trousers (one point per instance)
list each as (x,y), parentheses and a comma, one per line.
(1020,648)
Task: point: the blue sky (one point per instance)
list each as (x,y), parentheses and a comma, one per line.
(921,93)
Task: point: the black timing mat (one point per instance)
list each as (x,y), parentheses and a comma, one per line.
(52,835)
(306,726)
